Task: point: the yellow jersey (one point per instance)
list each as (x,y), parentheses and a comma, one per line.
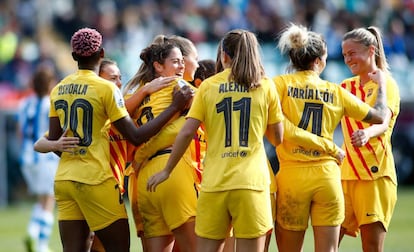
(374,159)
(235,120)
(317,106)
(84,102)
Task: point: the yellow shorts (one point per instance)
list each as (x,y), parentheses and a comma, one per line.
(174,201)
(368,201)
(304,192)
(273,187)
(247,211)
(100,205)
(273,205)
(133,200)
(273,190)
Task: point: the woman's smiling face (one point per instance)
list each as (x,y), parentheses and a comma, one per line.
(356,56)
(173,65)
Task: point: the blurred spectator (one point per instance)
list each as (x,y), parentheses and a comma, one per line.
(127,25)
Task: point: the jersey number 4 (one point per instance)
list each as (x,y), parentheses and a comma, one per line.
(227,106)
(314,111)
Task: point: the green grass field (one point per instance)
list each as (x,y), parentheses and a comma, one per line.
(400,238)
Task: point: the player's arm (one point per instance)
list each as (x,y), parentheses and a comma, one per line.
(274,133)
(136,99)
(137,136)
(305,138)
(165,138)
(377,114)
(179,147)
(63,144)
(361,136)
(312,141)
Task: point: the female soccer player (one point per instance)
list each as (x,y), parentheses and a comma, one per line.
(87,194)
(308,181)
(368,168)
(166,219)
(237,107)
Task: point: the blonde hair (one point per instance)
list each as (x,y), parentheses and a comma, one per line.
(302,46)
(244,50)
(186,46)
(370,36)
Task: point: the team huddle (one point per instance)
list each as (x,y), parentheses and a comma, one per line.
(189,135)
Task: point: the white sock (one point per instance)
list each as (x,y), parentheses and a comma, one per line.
(45,230)
(33,228)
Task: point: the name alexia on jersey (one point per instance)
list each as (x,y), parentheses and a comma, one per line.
(311,94)
(232,87)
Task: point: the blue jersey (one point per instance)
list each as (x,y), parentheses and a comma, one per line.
(34,123)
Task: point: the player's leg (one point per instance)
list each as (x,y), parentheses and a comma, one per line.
(103,208)
(252,220)
(116,236)
(229,244)
(267,240)
(373,236)
(376,212)
(73,234)
(326,238)
(208,245)
(327,209)
(73,228)
(293,200)
(247,245)
(164,243)
(185,236)
(288,240)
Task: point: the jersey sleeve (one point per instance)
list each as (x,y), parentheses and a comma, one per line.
(308,139)
(275,109)
(197,106)
(353,107)
(115,104)
(393,97)
(52,111)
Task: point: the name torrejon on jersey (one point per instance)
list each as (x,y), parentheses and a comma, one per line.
(232,87)
(78,89)
(311,94)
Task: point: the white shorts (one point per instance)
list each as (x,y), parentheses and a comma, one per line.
(40,177)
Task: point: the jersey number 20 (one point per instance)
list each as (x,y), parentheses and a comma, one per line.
(87,109)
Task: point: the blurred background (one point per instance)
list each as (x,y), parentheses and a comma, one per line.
(34,32)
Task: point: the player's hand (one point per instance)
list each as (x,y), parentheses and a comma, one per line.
(340,156)
(65,143)
(359,138)
(157,179)
(378,76)
(158,84)
(182,97)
